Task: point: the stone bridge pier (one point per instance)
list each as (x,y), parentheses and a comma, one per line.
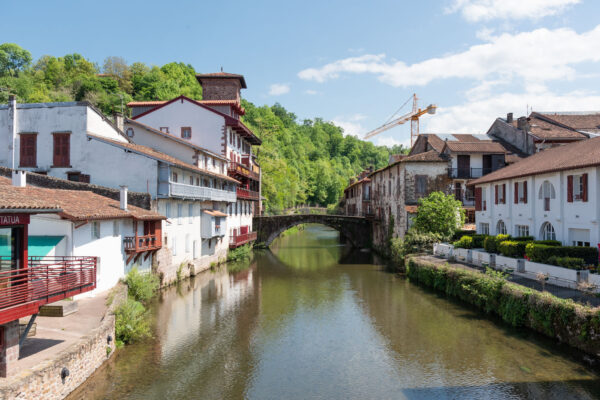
(357,230)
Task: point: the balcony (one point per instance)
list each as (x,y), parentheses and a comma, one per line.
(235,169)
(140,244)
(247,194)
(200,192)
(46,280)
(241,239)
(470,173)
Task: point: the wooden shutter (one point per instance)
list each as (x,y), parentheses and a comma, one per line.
(570,188)
(516,192)
(28,148)
(504,193)
(496,194)
(525,192)
(584,179)
(477,199)
(62,150)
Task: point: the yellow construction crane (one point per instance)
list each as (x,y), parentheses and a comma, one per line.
(413,116)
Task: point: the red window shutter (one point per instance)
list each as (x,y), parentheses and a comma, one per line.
(62,150)
(28,149)
(584,179)
(504,193)
(516,192)
(496,192)
(477,199)
(570,188)
(525,192)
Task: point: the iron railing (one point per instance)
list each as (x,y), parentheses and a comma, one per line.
(201,192)
(470,173)
(143,243)
(47,279)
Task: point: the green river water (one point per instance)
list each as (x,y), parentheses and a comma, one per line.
(314,320)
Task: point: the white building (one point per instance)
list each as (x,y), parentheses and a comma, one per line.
(211,126)
(552,194)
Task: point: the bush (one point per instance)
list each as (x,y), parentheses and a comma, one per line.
(131,322)
(465,242)
(478,241)
(463,232)
(541,253)
(413,242)
(240,253)
(548,242)
(567,262)
(523,239)
(141,286)
(512,248)
(491,242)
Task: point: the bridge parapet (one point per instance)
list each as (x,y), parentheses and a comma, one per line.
(357,230)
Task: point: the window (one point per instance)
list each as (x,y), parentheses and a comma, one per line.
(164,129)
(484,228)
(188,243)
(62,150)
(421,185)
(501,194)
(174,245)
(197,181)
(547,231)
(483,199)
(28,146)
(186,132)
(579,237)
(174,177)
(546,193)
(191,213)
(179,214)
(95,230)
(522,230)
(129,132)
(168,211)
(115,228)
(521,192)
(214,163)
(500,228)
(577,188)
(191,180)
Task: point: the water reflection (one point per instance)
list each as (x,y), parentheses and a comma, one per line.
(314,319)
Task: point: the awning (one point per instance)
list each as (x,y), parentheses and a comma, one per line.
(215,213)
(40,246)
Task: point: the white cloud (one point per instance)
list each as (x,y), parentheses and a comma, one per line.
(311,92)
(278,89)
(350,124)
(485,10)
(390,141)
(536,56)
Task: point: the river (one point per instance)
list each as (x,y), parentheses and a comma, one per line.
(314,320)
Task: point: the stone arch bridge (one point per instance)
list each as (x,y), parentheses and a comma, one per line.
(357,230)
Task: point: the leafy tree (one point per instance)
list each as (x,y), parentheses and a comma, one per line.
(13,59)
(439,213)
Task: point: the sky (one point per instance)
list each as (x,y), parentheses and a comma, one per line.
(351,62)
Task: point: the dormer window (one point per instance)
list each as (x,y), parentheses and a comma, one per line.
(186,132)
(129,132)
(164,129)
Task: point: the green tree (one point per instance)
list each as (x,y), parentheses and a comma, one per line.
(439,213)
(13,59)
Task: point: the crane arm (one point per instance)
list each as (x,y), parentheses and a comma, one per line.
(400,120)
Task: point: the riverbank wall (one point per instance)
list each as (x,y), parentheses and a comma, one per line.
(170,273)
(47,381)
(561,319)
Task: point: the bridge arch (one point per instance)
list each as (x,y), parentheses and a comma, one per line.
(357,230)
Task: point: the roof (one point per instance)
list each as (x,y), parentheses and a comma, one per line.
(215,213)
(580,154)
(475,147)
(428,156)
(584,121)
(155,103)
(157,155)
(437,141)
(222,75)
(547,130)
(174,138)
(364,180)
(76,205)
(14,199)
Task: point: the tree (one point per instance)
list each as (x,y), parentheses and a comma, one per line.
(13,58)
(439,213)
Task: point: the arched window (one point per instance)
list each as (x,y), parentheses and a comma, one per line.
(500,228)
(547,231)
(546,193)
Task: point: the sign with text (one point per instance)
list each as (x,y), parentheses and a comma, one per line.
(14,219)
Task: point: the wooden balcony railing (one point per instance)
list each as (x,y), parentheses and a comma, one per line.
(235,168)
(141,243)
(46,280)
(247,194)
(240,239)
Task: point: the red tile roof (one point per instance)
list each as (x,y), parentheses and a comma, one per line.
(580,154)
(222,75)
(76,205)
(482,146)
(148,151)
(428,156)
(581,121)
(15,198)
(546,130)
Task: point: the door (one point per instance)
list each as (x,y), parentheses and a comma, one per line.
(487,164)
(464,165)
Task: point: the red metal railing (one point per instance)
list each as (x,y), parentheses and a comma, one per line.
(247,194)
(48,279)
(143,243)
(241,169)
(243,238)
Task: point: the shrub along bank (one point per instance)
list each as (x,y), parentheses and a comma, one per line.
(565,320)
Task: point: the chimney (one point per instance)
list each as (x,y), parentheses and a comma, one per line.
(19,178)
(119,121)
(123,197)
(12,122)
(522,123)
(509,118)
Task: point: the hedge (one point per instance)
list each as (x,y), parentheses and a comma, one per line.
(465,242)
(561,319)
(567,262)
(542,252)
(523,239)
(478,241)
(463,232)
(491,243)
(512,248)
(548,242)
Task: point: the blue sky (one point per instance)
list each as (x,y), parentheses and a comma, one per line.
(351,62)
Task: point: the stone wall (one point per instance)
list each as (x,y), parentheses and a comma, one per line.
(168,271)
(44,382)
(437,179)
(220,89)
(142,200)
